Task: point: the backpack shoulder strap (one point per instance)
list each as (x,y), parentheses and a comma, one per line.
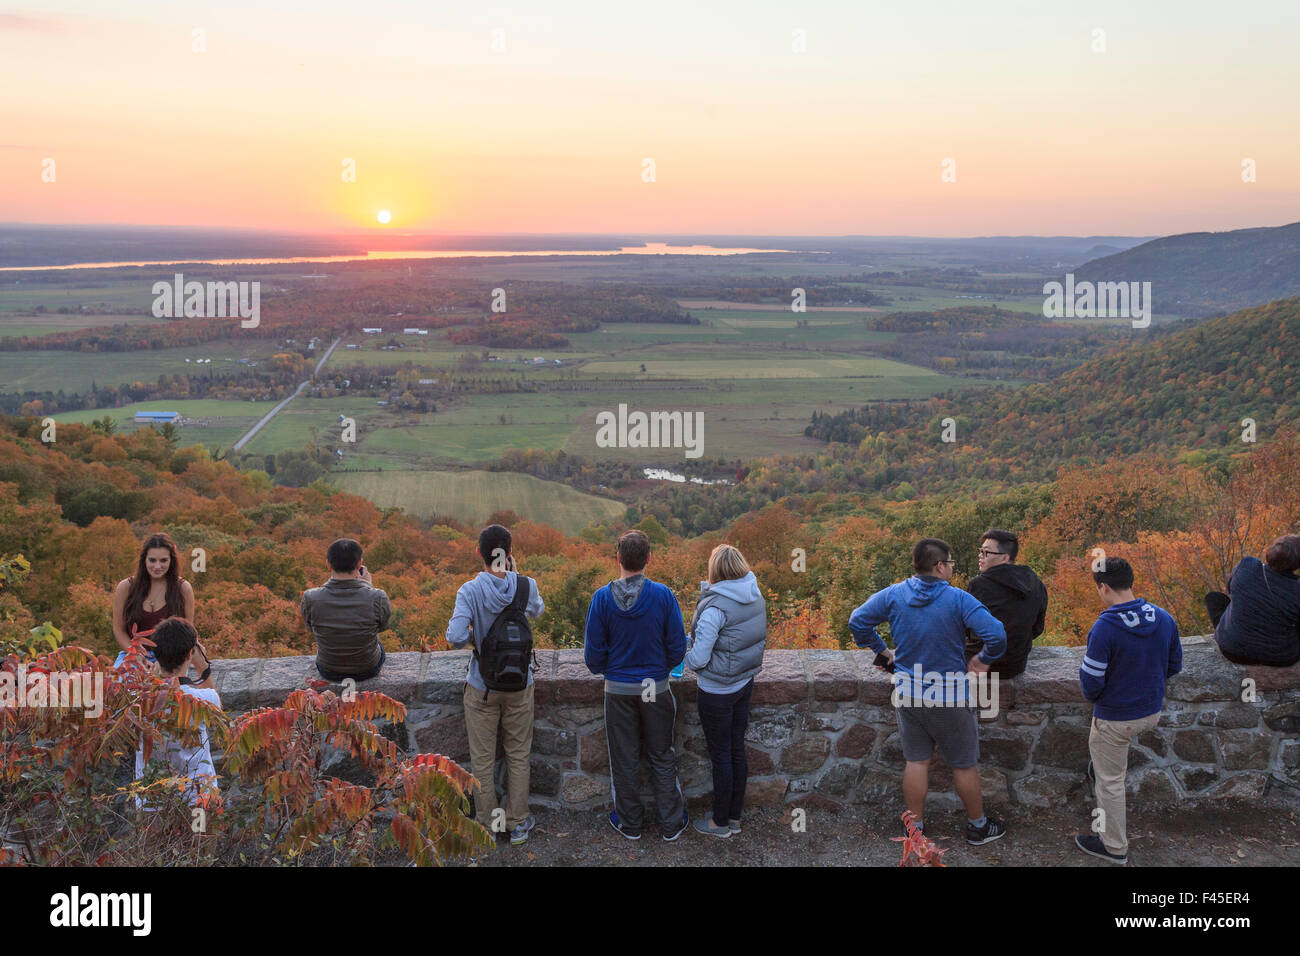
(524,590)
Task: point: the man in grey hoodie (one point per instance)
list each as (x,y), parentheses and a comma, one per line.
(478,602)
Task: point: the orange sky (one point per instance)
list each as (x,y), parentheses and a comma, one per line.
(747,136)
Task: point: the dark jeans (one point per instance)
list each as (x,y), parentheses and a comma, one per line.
(724,718)
(339,678)
(1216,602)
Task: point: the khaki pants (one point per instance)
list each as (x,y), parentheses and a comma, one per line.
(1108,743)
(513,713)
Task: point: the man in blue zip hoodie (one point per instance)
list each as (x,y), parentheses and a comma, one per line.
(928,619)
(1132,650)
(634,637)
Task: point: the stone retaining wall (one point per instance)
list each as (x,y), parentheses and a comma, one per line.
(822,732)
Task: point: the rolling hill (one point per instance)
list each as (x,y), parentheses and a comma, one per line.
(1204,273)
(1187,391)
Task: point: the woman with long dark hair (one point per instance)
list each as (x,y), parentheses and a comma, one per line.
(154,593)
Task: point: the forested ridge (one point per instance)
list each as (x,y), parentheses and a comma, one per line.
(1201,273)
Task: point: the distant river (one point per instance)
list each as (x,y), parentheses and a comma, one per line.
(649,249)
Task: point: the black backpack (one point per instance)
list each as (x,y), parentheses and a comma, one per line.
(507,648)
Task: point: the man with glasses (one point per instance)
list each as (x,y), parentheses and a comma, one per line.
(928,620)
(1014,594)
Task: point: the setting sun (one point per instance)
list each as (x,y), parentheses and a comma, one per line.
(385,217)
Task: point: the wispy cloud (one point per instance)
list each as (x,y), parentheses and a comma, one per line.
(20,23)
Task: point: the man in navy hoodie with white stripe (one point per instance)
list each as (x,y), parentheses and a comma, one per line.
(635,635)
(1133,649)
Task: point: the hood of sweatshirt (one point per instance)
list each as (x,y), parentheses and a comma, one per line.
(921,591)
(495,593)
(626,593)
(1136,617)
(1017,578)
(741,590)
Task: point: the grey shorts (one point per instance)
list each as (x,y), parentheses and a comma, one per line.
(954,729)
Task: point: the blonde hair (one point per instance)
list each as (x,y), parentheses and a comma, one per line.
(726,564)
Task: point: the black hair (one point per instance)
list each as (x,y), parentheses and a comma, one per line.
(633,550)
(1115,572)
(927,553)
(173,640)
(1006,540)
(344,555)
(492,539)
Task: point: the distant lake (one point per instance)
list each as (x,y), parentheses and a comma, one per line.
(649,249)
(663,474)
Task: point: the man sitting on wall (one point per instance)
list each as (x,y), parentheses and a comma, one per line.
(1014,595)
(345,615)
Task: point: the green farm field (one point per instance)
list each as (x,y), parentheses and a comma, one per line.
(42,370)
(744,418)
(473,495)
(225,421)
(17,325)
(756,405)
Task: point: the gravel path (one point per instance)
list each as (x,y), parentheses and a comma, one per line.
(1230,835)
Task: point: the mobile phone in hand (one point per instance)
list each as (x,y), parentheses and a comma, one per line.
(882,660)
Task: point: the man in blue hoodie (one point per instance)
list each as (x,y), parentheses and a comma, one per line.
(928,620)
(1132,650)
(635,636)
(478,602)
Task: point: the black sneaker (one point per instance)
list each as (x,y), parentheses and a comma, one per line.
(993,829)
(919,826)
(1091,844)
(670,836)
(613,821)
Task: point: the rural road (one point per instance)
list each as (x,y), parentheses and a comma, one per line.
(248,436)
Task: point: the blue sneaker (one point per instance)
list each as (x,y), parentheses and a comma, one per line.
(1091,844)
(519,835)
(613,821)
(686,822)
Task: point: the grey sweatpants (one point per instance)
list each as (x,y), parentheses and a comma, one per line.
(630,721)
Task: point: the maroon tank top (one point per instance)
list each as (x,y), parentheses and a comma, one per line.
(144,622)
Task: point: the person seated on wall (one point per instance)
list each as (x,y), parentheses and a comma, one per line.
(1260,622)
(1014,595)
(345,615)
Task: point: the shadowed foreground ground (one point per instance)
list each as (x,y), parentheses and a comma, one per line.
(1229,835)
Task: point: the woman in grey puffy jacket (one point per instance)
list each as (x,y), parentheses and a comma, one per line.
(727,638)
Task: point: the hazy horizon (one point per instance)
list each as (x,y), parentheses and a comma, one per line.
(620,234)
